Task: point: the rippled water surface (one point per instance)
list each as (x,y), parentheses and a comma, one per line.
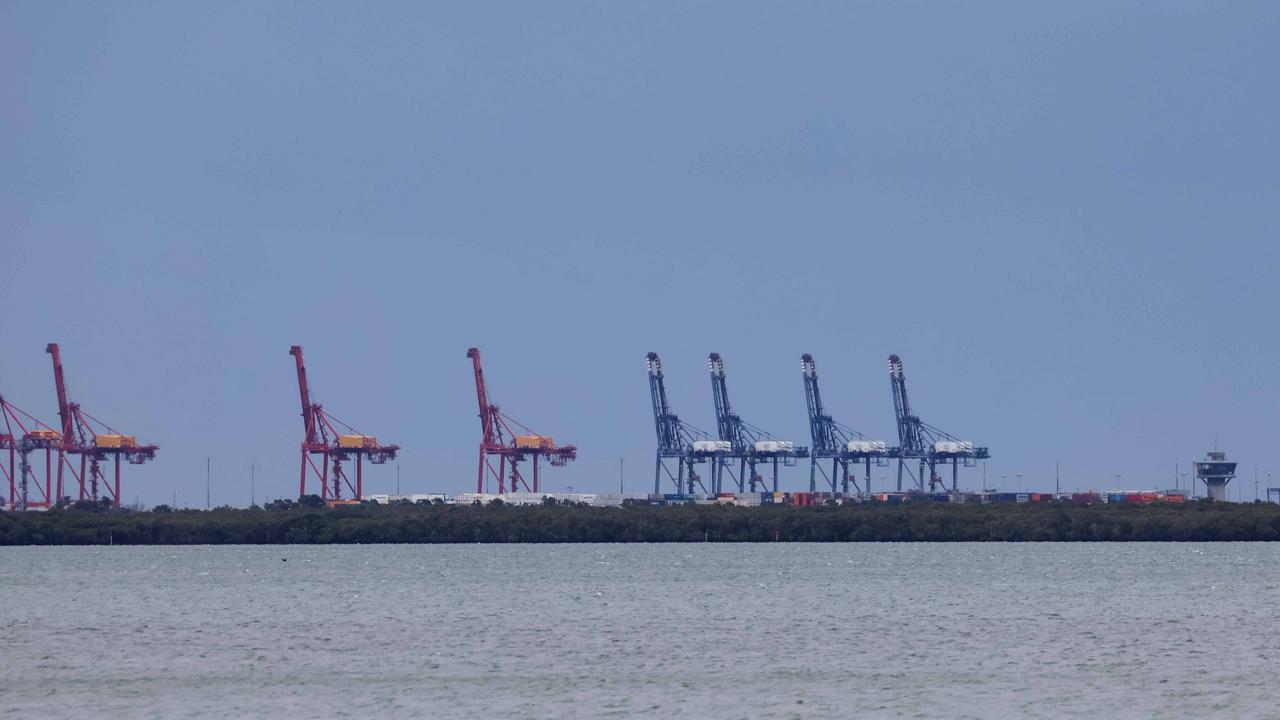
(654,631)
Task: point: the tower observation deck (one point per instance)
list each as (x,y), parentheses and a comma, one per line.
(1216,471)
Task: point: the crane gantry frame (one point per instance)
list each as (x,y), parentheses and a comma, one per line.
(843,445)
(748,444)
(324,438)
(22,477)
(81,436)
(920,441)
(499,438)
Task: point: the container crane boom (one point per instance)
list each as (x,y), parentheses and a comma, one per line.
(64,412)
(304,390)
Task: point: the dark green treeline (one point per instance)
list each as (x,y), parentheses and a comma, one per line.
(285,522)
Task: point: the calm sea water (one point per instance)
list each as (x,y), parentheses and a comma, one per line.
(642,631)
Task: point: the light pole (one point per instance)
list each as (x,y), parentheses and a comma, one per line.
(1019,482)
(252,489)
(621,486)
(397,478)
(1004,477)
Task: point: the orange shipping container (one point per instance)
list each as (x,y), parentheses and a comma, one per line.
(534,442)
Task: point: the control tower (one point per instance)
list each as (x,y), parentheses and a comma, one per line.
(1216,472)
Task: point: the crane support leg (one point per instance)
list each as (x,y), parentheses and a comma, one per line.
(775,474)
(324,479)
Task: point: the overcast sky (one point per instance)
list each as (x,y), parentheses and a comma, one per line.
(1062,216)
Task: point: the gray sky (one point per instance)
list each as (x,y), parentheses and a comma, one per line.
(1062,216)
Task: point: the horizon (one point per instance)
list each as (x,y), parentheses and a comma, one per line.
(1062,218)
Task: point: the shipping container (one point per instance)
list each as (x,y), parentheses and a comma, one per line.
(115,441)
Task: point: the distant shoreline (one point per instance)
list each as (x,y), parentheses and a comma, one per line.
(922,522)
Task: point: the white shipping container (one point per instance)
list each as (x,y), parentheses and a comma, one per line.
(469,498)
(712,445)
(523,498)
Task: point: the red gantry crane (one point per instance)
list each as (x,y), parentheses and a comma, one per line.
(22,477)
(323,438)
(500,439)
(94,441)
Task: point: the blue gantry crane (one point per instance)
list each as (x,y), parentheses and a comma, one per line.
(918,440)
(843,445)
(748,444)
(677,440)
